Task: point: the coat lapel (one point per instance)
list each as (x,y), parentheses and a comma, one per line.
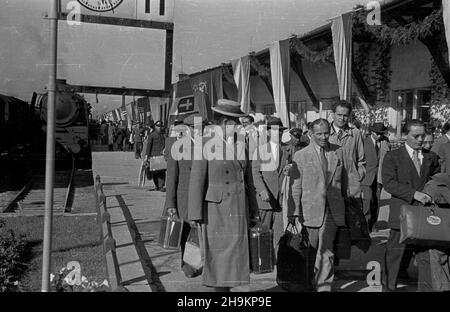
(332,165)
(425,168)
(409,163)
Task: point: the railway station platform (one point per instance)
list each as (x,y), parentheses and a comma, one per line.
(146,267)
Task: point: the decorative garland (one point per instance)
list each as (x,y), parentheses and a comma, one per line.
(262,70)
(401,35)
(322,56)
(440,101)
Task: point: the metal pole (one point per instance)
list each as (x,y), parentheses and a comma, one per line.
(50,152)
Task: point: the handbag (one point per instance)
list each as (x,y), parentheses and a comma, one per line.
(293,269)
(157,163)
(343,243)
(357,224)
(193,250)
(424,225)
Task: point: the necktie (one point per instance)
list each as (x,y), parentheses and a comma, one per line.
(340,134)
(324,162)
(416,161)
(377,149)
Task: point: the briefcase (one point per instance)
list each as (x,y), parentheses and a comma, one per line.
(343,243)
(170,232)
(157,163)
(424,225)
(261,250)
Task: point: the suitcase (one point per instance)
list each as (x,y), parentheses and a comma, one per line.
(424,225)
(157,163)
(261,250)
(170,232)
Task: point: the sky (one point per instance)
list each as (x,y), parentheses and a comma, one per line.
(207,33)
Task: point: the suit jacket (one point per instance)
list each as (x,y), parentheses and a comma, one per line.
(437,144)
(354,160)
(372,161)
(177,185)
(401,180)
(312,191)
(268,180)
(155,144)
(444,155)
(384,148)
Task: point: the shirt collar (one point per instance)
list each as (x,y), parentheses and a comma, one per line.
(410,151)
(346,129)
(448,136)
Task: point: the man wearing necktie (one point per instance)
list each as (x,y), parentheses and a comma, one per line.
(405,172)
(318,202)
(370,186)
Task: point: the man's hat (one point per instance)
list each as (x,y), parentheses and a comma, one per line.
(158,123)
(378,127)
(274,122)
(191,119)
(228,108)
(296,133)
(178,122)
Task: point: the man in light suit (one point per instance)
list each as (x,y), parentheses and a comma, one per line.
(317,196)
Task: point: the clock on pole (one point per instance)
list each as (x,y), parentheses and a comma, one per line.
(100,5)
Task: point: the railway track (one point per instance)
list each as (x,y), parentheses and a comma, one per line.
(30,200)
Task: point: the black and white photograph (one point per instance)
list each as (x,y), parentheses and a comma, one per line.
(241,147)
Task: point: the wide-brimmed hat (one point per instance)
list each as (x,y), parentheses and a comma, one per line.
(228,108)
(191,119)
(274,122)
(378,127)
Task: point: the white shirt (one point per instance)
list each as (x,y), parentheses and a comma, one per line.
(411,151)
(448,136)
(274,149)
(376,143)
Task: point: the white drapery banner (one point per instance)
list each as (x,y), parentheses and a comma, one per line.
(280,65)
(341,29)
(241,74)
(446,15)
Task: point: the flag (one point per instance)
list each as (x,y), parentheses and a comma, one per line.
(280,64)
(446,15)
(207,89)
(241,74)
(341,29)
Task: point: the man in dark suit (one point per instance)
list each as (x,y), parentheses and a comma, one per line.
(370,186)
(155,147)
(178,175)
(405,173)
(267,172)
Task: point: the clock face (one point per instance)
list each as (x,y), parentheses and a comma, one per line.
(100,5)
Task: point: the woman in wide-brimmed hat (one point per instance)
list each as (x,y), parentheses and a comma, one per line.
(219,194)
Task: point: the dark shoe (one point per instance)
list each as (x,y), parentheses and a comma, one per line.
(162,189)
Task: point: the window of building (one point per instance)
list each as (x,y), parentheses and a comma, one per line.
(413,104)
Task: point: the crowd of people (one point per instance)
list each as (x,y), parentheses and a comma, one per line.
(321,175)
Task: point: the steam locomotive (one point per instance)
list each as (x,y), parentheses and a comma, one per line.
(72,122)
